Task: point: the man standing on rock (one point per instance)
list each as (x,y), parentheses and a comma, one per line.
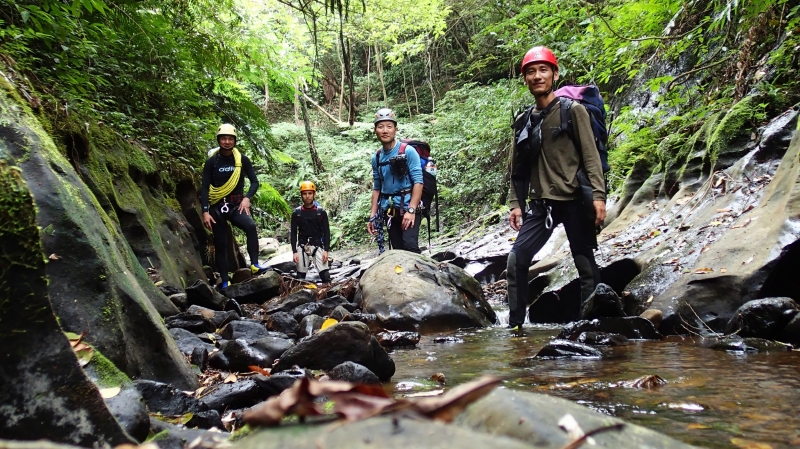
(397,186)
(223,199)
(310,234)
(545,171)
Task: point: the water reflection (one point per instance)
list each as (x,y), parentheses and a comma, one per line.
(711,396)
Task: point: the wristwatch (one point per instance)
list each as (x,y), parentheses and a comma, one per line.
(411,210)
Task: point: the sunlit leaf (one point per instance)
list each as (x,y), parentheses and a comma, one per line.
(328,323)
(704,270)
(108,393)
(747,444)
(398,269)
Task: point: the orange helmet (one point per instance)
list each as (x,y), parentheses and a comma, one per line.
(539,54)
(307,185)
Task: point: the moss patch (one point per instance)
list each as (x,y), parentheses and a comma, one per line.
(730,127)
(104,372)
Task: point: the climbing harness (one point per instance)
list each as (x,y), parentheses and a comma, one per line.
(224,209)
(548,222)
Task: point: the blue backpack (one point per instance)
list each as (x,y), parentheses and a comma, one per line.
(589,97)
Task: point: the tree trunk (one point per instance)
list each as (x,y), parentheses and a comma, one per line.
(414,89)
(315,160)
(266,98)
(341,86)
(430,78)
(345,43)
(379,66)
(296,104)
(405,89)
(368,58)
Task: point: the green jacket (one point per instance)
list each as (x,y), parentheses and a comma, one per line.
(554,173)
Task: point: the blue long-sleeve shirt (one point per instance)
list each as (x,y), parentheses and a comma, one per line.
(386,183)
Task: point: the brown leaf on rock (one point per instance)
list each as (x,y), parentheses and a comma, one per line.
(54,256)
(703,270)
(447,407)
(705,248)
(741,225)
(230,379)
(356,406)
(259,370)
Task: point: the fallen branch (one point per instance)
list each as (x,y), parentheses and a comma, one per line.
(327,114)
(579,442)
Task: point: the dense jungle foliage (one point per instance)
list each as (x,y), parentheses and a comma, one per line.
(167,73)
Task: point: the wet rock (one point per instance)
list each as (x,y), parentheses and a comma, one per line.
(532,417)
(173,436)
(284,323)
(166,399)
(602,339)
(734,343)
(243,393)
(763,318)
(203,295)
(239,354)
(256,290)
(277,382)
(398,338)
(309,325)
(645,382)
(206,419)
(339,313)
(190,322)
(327,305)
(288,303)
(561,349)
(129,408)
(654,315)
(248,329)
(187,342)
(199,358)
(282,262)
(791,333)
(305,310)
(218,318)
(342,342)
(409,291)
(370,319)
(180,300)
(241,275)
(635,328)
(448,339)
(604,302)
(353,373)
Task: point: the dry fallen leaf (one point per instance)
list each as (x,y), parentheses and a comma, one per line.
(259,370)
(715,223)
(230,379)
(750,259)
(108,393)
(439,377)
(743,224)
(649,300)
(447,407)
(695,426)
(722,211)
(705,248)
(704,270)
(398,269)
(723,270)
(54,256)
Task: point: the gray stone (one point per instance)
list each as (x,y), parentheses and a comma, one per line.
(734,343)
(563,349)
(204,295)
(763,318)
(342,342)
(173,436)
(635,328)
(190,322)
(243,393)
(218,318)
(602,339)
(288,303)
(247,329)
(129,408)
(353,373)
(187,341)
(279,381)
(339,313)
(256,290)
(425,296)
(284,323)
(239,354)
(309,325)
(603,302)
(398,338)
(166,399)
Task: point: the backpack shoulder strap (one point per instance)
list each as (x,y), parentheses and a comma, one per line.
(566,117)
(403,146)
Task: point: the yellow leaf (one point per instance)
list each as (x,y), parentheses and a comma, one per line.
(695,426)
(704,270)
(747,444)
(108,393)
(328,323)
(311,286)
(715,223)
(649,300)
(159,283)
(398,269)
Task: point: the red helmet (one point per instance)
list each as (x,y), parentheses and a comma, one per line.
(539,54)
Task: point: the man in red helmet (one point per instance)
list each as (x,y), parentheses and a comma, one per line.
(545,188)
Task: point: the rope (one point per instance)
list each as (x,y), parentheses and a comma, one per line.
(217,193)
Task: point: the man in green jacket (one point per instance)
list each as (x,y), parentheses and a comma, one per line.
(545,173)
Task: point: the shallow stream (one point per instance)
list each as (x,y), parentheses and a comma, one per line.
(712,398)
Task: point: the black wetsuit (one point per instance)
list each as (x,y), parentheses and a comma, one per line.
(310,227)
(216,171)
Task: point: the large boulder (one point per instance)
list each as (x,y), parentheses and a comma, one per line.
(203,295)
(256,290)
(409,291)
(350,341)
(289,302)
(534,419)
(43,391)
(763,318)
(96,283)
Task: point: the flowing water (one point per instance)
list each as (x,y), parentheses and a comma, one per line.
(712,398)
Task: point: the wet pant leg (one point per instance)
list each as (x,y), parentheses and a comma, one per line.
(220,230)
(531,238)
(582,238)
(405,239)
(245,222)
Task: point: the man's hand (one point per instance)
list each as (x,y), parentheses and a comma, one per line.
(371,228)
(408,220)
(515,218)
(296,257)
(325,257)
(600,212)
(208,220)
(244,206)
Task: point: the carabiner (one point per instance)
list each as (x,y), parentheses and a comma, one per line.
(224,209)
(548,222)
